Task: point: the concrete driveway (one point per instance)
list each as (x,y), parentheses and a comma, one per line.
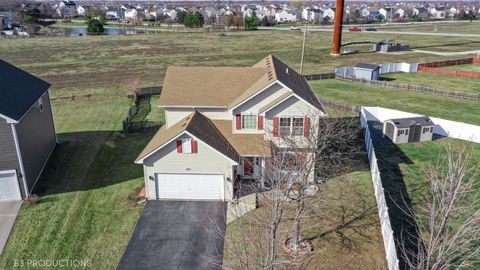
(8,214)
(177,235)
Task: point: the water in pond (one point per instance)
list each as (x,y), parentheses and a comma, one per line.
(75,32)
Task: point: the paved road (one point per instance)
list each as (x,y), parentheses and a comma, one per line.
(8,214)
(381,32)
(177,235)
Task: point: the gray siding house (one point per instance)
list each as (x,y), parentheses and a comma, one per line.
(27,132)
(367,71)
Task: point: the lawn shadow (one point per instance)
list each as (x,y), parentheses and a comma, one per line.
(404,226)
(92,159)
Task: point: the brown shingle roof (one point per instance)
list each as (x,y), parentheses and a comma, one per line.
(199,126)
(207,86)
(229,86)
(244,144)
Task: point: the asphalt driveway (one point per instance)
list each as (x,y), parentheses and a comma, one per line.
(177,235)
(8,214)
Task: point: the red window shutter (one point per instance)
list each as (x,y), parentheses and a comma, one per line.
(238,121)
(306,126)
(276,123)
(260,122)
(194,147)
(179,146)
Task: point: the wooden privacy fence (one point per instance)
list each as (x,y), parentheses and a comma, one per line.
(143,126)
(465,61)
(415,88)
(321,76)
(436,68)
(450,72)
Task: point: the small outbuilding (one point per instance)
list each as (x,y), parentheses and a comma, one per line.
(367,71)
(405,130)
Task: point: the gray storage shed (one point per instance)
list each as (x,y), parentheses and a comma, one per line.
(27,132)
(405,130)
(367,71)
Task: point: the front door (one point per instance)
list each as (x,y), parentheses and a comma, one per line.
(414,135)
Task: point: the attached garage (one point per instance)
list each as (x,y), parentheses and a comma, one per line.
(190,186)
(9,188)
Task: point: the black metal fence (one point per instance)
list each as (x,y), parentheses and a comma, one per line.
(414,88)
(130,125)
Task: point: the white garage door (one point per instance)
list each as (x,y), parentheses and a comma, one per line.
(190,186)
(9,189)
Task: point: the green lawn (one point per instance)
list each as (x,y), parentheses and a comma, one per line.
(475,68)
(359,243)
(435,80)
(364,95)
(85,211)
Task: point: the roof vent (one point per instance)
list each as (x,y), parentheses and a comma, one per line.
(286,71)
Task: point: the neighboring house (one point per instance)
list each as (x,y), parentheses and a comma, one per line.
(130,13)
(405,130)
(329,14)
(115,13)
(366,71)
(81,11)
(222,126)
(285,16)
(400,12)
(6,20)
(439,13)
(27,132)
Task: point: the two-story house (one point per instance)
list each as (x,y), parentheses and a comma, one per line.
(27,131)
(223,124)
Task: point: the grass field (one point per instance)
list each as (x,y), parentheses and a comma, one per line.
(365,95)
(85,211)
(435,80)
(475,68)
(464,27)
(359,243)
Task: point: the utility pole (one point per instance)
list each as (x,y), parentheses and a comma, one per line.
(303,48)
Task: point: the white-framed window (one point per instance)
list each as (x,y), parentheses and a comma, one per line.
(400,132)
(187,145)
(285,125)
(40,104)
(291,126)
(249,121)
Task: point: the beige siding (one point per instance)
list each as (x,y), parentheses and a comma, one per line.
(291,107)
(427,136)
(173,115)
(206,161)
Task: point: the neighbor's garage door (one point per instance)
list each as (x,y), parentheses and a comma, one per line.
(190,186)
(9,189)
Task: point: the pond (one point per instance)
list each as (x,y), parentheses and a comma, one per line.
(82,31)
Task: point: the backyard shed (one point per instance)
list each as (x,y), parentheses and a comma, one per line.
(405,130)
(367,71)
(27,132)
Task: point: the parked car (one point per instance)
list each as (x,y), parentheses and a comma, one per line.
(371,29)
(354,29)
(294,27)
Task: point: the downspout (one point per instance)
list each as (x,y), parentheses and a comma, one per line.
(20,160)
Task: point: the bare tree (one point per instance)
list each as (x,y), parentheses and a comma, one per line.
(301,161)
(327,151)
(448,221)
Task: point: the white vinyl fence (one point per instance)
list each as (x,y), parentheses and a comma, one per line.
(384,69)
(443,127)
(386,227)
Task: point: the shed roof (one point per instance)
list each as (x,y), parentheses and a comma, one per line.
(19,90)
(408,122)
(367,66)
